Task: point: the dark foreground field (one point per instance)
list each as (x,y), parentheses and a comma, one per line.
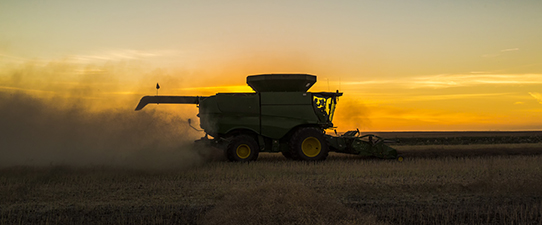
(454,184)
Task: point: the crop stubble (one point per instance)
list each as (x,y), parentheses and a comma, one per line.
(456,184)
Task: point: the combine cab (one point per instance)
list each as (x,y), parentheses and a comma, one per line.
(281,116)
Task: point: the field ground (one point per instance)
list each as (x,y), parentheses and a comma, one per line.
(452,184)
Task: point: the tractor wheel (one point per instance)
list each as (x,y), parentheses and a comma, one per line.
(242,148)
(308,144)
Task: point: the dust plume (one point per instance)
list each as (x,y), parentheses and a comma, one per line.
(35,132)
(47,118)
(351,114)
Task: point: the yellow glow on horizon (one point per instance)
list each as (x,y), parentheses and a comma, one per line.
(476,101)
(367,111)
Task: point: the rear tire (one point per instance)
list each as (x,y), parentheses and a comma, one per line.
(308,144)
(242,148)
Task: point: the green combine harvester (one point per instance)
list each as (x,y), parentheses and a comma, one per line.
(280,117)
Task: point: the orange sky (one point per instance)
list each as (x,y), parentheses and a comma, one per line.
(422,65)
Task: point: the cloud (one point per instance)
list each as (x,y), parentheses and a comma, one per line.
(537,96)
(452,80)
(458,80)
(453,96)
(480,72)
(510,50)
(7,88)
(4,58)
(94,57)
(368,82)
(497,54)
(118,55)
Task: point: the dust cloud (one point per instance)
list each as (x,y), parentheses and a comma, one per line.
(48,119)
(351,114)
(35,132)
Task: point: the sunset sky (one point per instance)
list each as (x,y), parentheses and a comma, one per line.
(402,65)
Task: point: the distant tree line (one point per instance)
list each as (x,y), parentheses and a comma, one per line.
(467,140)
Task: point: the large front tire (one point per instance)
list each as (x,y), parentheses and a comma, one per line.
(309,144)
(242,148)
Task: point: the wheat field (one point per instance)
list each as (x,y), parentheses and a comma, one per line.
(495,189)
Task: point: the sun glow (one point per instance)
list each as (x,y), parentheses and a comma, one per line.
(400,66)
(437,102)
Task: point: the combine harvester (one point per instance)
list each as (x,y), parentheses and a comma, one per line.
(280,117)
